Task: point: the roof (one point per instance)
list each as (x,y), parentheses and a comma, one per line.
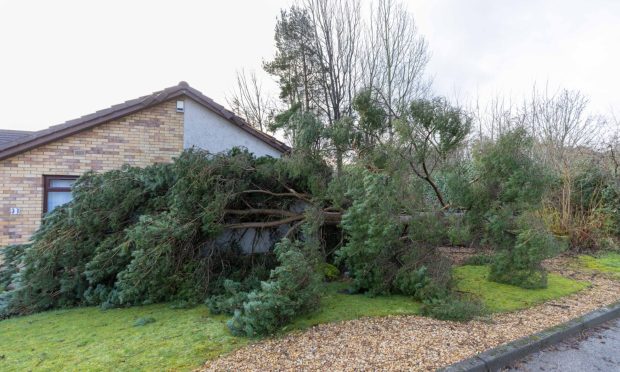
(20,141)
(9,135)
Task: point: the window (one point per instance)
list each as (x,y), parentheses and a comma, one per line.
(57,191)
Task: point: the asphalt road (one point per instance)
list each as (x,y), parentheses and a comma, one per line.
(597,349)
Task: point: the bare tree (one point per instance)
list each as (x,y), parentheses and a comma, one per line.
(494,117)
(395,57)
(565,131)
(250,101)
(337,26)
(613,145)
(561,123)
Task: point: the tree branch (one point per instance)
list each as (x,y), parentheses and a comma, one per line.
(246,212)
(250,225)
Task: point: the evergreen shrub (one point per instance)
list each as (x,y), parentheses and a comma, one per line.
(294,288)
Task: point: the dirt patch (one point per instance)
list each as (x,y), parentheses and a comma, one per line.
(458,255)
(413,342)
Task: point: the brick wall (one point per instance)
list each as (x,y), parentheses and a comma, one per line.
(152,135)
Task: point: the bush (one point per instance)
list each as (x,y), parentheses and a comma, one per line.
(330,272)
(521,265)
(293,289)
(413,282)
(458,232)
(507,189)
(595,206)
(232,299)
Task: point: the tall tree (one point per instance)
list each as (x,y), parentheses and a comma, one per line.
(336,27)
(295,63)
(395,57)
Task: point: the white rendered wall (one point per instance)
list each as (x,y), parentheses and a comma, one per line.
(209,131)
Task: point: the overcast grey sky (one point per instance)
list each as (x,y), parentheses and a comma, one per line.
(62,59)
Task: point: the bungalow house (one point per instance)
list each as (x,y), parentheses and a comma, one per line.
(37,169)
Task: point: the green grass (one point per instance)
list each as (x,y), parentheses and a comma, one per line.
(608,263)
(337,306)
(92,339)
(179,339)
(503,297)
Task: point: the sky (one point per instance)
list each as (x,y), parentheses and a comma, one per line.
(63,59)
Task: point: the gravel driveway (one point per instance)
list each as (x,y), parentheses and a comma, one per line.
(596,350)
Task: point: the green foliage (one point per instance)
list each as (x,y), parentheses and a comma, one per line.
(511,175)
(10,256)
(595,205)
(434,126)
(373,231)
(294,288)
(597,188)
(233,298)
(144,235)
(521,265)
(330,272)
(459,232)
(382,257)
(372,118)
(428,133)
(418,284)
(503,181)
(296,64)
(507,188)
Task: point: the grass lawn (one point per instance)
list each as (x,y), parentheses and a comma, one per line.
(179,339)
(608,263)
(92,339)
(337,306)
(503,297)
(182,339)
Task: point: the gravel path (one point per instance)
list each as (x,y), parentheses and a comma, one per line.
(412,342)
(596,350)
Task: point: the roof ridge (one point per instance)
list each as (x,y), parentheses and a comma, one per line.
(52,133)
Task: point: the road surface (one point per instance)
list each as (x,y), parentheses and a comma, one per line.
(597,349)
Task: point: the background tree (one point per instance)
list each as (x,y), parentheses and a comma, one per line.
(251,102)
(395,57)
(295,64)
(561,123)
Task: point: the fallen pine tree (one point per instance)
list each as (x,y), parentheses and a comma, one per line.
(204,228)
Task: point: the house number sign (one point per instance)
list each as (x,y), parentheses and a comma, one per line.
(14,211)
